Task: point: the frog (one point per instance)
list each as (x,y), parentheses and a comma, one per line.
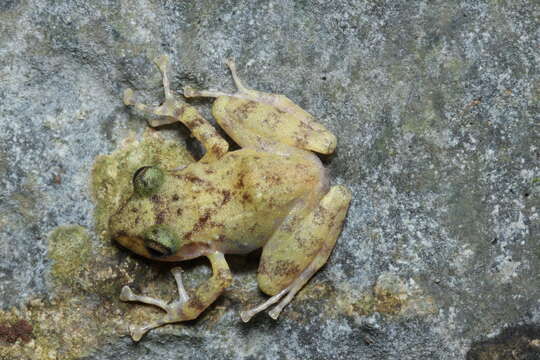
(273,193)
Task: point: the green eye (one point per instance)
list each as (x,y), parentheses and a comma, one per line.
(147,180)
(160,241)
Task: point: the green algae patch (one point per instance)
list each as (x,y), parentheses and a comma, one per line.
(112,175)
(70,251)
(82,265)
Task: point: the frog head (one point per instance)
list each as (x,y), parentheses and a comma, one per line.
(142,224)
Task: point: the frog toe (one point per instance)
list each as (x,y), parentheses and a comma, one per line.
(136,332)
(126,294)
(128,97)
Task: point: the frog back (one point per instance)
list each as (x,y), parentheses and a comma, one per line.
(260,190)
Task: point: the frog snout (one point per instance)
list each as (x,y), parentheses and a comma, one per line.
(125,236)
(121,231)
(161,240)
(117,227)
(156,241)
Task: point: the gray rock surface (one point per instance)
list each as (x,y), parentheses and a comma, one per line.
(435,105)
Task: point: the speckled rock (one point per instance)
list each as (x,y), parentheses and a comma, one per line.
(436,109)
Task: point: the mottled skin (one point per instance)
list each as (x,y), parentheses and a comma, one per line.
(272,193)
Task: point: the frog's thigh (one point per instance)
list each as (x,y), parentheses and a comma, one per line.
(296,252)
(252,123)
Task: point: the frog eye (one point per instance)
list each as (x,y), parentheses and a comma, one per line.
(147,180)
(160,241)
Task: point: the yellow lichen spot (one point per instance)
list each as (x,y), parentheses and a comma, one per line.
(391,296)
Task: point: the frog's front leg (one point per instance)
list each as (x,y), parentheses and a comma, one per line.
(173,109)
(186,307)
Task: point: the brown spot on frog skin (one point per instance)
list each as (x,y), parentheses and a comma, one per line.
(245,109)
(194,179)
(175,197)
(194,122)
(279,268)
(214,224)
(196,303)
(272,120)
(224,276)
(286,268)
(301,167)
(274,179)
(253,227)
(226,197)
(202,221)
(217,149)
(307,126)
(160,217)
(246,197)
(301,142)
(179,111)
(240,182)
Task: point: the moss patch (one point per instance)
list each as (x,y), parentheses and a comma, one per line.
(70,250)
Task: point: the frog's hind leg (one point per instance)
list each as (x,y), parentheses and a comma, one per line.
(253,118)
(292,257)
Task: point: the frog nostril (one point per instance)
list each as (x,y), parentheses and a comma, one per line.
(119,234)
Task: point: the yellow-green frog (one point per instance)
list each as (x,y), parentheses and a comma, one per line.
(272,193)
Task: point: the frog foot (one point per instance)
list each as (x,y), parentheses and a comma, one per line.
(274,313)
(242,90)
(173,310)
(290,291)
(167,111)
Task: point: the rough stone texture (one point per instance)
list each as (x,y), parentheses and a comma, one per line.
(436,108)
